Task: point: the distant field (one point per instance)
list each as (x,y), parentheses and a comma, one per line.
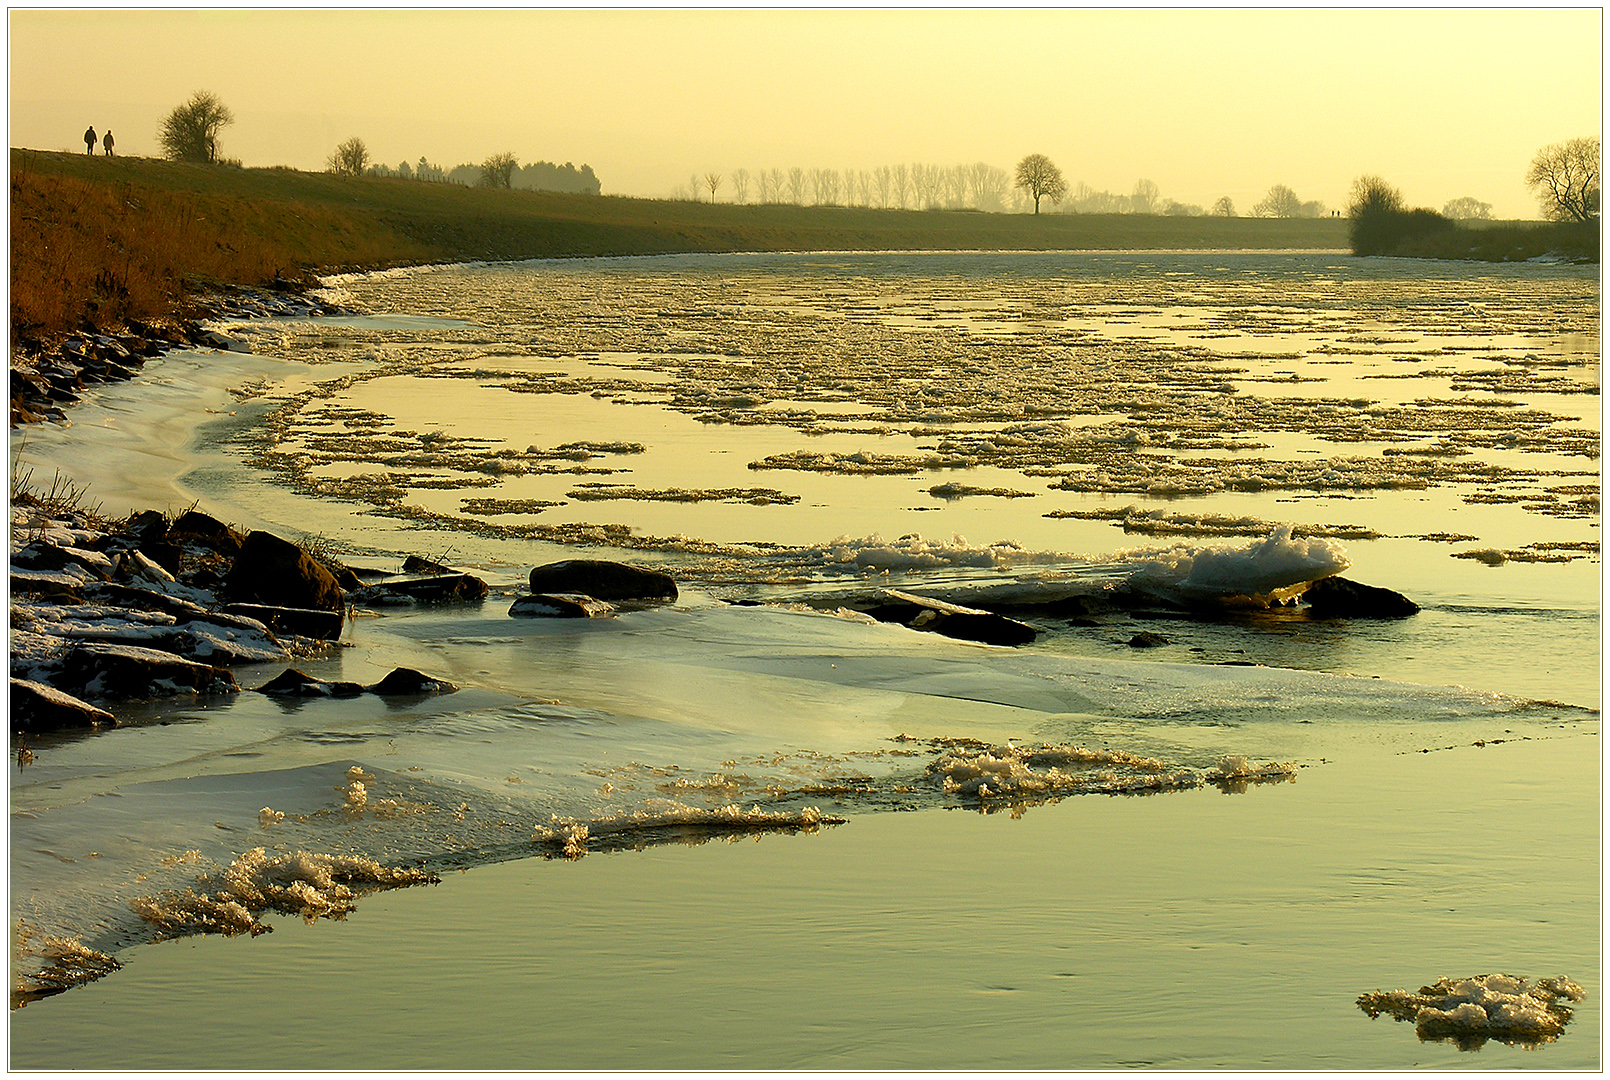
(96,241)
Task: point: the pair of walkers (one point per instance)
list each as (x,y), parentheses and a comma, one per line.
(89,141)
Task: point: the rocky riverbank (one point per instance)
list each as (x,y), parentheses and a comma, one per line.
(47,377)
(104,613)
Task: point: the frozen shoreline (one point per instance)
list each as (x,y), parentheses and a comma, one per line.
(1222,913)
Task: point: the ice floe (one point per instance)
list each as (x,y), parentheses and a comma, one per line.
(1470,1011)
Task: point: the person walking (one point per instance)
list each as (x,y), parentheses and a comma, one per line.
(89,140)
(106,141)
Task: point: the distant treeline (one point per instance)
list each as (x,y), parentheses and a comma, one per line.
(537,176)
(980,186)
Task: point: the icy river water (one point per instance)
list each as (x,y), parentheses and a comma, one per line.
(786,433)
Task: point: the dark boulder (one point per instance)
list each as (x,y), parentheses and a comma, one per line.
(298,622)
(131,596)
(950,620)
(146,525)
(37,707)
(56,586)
(1339,598)
(562,606)
(403,682)
(207,531)
(1147,640)
(424,588)
(128,671)
(413,564)
(292,683)
(40,555)
(603,579)
(277,573)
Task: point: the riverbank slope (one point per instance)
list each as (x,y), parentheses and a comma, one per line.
(97,241)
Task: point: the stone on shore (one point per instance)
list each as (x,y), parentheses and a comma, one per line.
(292,683)
(277,573)
(204,530)
(562,606)
(603,580)
(429,588)
(403,682)
(36,707)
(129,671)
(950,620)
(1339,598)
(297,622)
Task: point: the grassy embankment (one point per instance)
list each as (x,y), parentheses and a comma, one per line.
(98,241)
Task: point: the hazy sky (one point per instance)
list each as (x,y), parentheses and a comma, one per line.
(1441,102)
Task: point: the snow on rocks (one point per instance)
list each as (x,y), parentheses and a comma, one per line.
(96,618)
(1470,1011)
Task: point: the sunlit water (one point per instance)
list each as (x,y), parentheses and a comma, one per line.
(787,428)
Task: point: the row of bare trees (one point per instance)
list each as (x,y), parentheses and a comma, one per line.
(905,186)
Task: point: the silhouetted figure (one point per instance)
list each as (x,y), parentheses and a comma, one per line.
(106,141)
(89,140)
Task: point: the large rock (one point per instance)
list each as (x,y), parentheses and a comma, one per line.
(424,588)
(132,596)
(603,579)
(1339,598)
(277,573)
(40,555)
(298,622)
(406,682)
(37,707)
(194,527)
(950,620)
(128,671)
(292,683)
(561,606)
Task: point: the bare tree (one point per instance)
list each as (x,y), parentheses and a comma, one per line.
(498,170)
(712,181)
(830,187)
(1224,207)
(902,184)
(740,185)
(777,182)
(1041,179)
(925,184)
(1281,202)
(796,185)
(883,176)
(190,133)
(1144,198)
(1466,208)
(350,158)
(1565,177)
(763,186)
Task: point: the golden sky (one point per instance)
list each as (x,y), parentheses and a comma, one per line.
(1441,102)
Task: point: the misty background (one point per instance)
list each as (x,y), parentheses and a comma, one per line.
(1202,105)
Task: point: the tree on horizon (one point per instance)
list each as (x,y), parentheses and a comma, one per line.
(190,133)
(1042,179)
(1566,179)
